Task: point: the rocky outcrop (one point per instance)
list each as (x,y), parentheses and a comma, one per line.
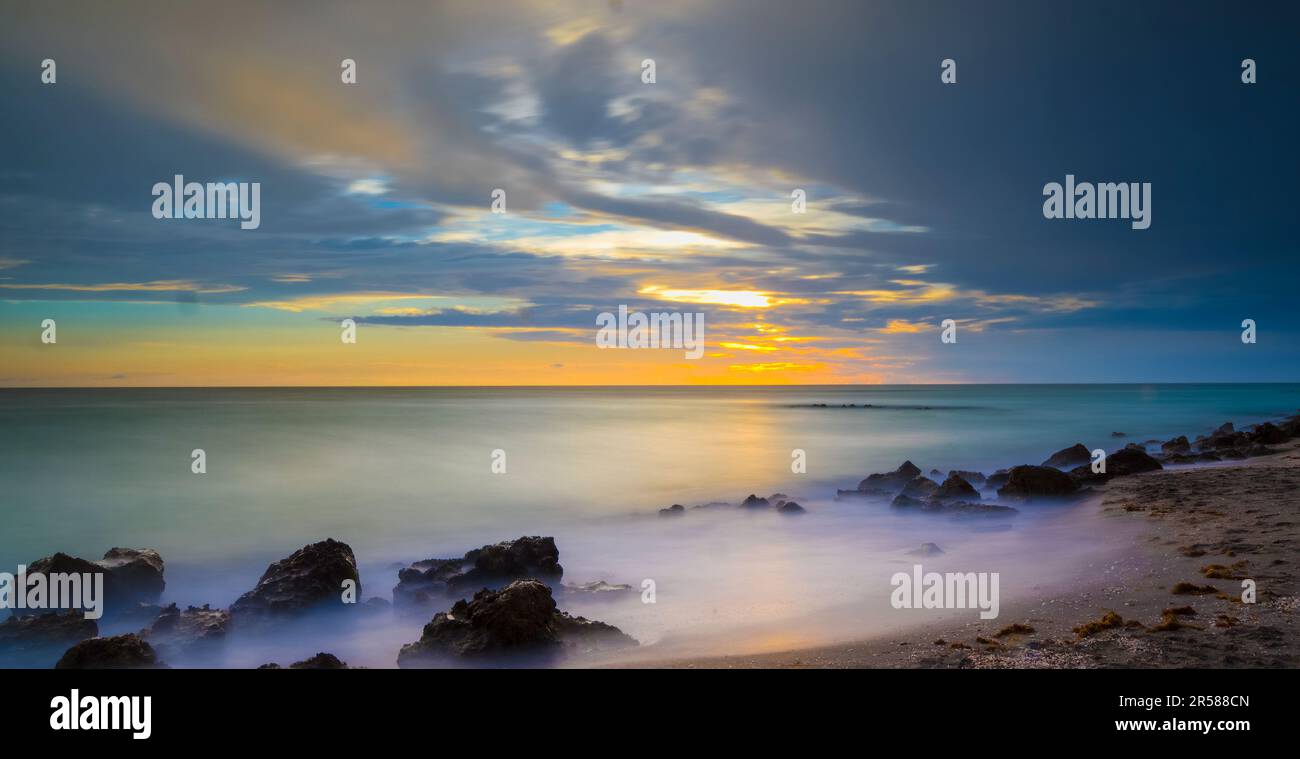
(926,549)
(133,578)
(38,639)
(312,578)
(950,507)
(118,652)
(491,566)
(920,487)
(790,507)
(196,631)
(1130,460)
(1068,458)
(135,575)
(675,510)
(958,488)
(997,479)
(1179,444)
(1268,434)
(890,483)
(1028,481)
(754,502)
(518,620)
(974,478)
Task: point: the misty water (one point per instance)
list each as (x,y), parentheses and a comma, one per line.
(406,474)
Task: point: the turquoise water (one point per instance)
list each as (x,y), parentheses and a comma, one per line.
(405,474)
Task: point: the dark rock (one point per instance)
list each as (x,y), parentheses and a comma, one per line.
(935,473)
(790,507)
(1067,458)
(1268,434)
(673,511)
(1177,445)
(958,508)
(1027,481)
(890,483)
(196,631)
(754,502)
(321,660)
(1225,429)
(1119,434)
(1084,475)
(974,478)
(118,652)
(1128,461)
(38,639)
(956,487)
(926,549)
(135,575)
(907,502)
(311,578)
(519,619)
(997,479)
(920,487)
(493,566)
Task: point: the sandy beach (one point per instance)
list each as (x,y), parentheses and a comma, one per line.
(1174,599)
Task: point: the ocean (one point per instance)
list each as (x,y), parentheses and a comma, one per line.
(403,474)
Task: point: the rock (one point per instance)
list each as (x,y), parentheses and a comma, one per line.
(1084,475)
(754,502)
(907,502)
(320,661)
(890,483)
(1177,445)
(920,487)
(957,508)
(1268,434)
(312,578)
(132,577)
(935,473)
(135,575)
(118,652)
(1027,481)
(37,639)
(519,619)
(1068,458)
(926,549)
(673,511)
(1225,429)
(973,478)
(1128,461)
(997,479)
(790,507)
(492,566)
(1119,434)
(196,631)
(956,487)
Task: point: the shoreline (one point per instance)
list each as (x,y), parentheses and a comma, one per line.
(1220,514)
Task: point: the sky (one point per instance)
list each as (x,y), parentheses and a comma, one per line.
(924,198)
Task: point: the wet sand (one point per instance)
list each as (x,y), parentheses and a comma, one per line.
(1176,592)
